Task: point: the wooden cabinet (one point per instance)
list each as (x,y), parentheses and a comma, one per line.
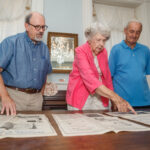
(58,101)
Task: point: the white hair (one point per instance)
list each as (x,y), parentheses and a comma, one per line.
(95,28)
(133,20)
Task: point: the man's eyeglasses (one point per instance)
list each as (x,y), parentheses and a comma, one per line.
(38,27)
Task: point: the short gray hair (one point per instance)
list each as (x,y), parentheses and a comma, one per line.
(27,18)
(95,28)
(133,20)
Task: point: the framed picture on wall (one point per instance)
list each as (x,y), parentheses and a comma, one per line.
(61,47)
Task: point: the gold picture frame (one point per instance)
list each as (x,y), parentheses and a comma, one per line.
(61,47)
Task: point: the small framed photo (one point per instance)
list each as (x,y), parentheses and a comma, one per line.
(62,46)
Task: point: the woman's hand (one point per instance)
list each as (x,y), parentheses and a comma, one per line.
(121,104)
(113,106)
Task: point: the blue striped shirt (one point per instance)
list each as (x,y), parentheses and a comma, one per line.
(25,64)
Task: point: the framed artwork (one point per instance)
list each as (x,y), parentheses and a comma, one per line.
(61,47)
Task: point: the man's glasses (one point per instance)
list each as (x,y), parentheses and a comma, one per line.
(38,27)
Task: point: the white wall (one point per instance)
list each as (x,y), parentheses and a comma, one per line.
(148,79)
(63,16)
(72,16)
(115,17)
(142,12)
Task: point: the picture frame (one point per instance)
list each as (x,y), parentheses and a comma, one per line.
(62,50)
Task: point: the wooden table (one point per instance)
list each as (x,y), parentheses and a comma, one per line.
(108,141)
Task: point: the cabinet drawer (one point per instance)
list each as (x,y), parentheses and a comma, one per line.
(57,101)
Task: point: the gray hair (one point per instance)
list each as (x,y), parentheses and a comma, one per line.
(133,20)
(28,17)
(95,28)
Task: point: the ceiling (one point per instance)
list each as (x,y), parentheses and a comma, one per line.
(123,3)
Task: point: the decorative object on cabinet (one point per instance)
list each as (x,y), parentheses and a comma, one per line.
(61,46)
(50,89)
(57,101)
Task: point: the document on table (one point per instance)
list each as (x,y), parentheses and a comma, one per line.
(122,114)
(93,123)
(25,125)
(77,124)
(142,116)
(115,124)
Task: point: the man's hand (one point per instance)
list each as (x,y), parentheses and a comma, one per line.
(8,106)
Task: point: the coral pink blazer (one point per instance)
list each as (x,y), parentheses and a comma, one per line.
(84,78)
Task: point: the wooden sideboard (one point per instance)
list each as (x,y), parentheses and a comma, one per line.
(58,101)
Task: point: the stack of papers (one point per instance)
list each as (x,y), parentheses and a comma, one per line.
(77,124)
(25,125)
(93,123)
(142,116)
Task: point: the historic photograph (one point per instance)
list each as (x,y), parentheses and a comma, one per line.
(62,47)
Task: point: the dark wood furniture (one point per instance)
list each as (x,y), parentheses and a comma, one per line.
(57,101)
(108,141)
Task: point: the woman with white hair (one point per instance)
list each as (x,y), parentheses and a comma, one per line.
(90,85)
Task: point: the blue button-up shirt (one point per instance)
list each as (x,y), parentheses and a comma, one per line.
(129,68)
(25,64)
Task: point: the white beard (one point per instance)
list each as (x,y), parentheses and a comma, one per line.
(38,39)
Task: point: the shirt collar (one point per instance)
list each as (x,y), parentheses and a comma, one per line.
(126,46)
(30,41)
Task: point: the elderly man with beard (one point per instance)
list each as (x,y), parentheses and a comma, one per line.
(24,65)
